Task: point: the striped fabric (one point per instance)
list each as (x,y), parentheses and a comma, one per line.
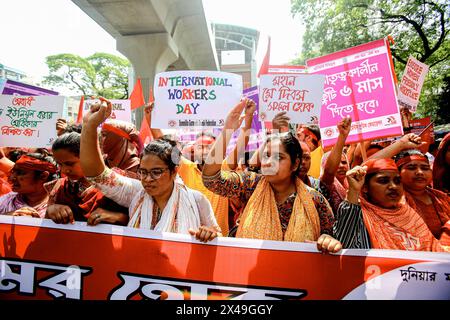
(349,227)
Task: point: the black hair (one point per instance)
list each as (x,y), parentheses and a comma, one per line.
(408,153)
(166,150)
(47,158)
(291,145)
(74,127)
(314,128)
(15,154)
(68,141)
(247,156)
(169,137)
(374,146)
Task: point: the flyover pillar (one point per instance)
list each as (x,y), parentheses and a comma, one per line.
(149,54)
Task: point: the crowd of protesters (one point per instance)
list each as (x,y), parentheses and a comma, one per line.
(385,195)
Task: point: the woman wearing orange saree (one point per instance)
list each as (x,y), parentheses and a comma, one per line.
(376,215)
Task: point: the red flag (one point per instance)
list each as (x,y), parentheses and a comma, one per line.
(80,110)
(265,64)
(145,133)
(137,96)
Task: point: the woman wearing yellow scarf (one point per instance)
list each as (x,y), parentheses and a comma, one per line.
(278,205)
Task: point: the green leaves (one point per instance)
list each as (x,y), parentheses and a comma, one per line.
(101,74)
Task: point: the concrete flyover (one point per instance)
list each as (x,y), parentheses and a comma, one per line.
(156,35)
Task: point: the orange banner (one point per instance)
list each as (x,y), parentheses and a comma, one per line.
(43,260)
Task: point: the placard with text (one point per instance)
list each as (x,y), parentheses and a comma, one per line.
(29,121)
(43,260)
(121,109)
(194,98)
(359,82)
(411,84)
(299,95)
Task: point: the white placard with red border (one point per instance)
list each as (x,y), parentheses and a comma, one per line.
(121,109)
(411,84)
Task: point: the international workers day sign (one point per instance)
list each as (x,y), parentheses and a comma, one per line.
(194,98)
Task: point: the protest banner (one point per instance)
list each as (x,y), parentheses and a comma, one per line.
(121,109)
(411,84)
(300,95)
(44,260)
(194,98)
(18,88)
(359,83)
(29,121)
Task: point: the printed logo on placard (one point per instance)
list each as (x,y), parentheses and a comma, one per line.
(329,132)
(172,123)
(391,120)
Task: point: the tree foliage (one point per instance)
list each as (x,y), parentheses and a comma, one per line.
(101,74)
(420,28)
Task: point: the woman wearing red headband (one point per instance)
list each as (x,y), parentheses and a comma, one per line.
(416,174)
(375,214)
(28,176)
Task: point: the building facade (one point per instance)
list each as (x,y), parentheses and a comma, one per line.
(236,51)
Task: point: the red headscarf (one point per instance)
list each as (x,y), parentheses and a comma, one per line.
(376,165)
(401,228)
(413,157)
(122,145)
(31,163)
(4,187)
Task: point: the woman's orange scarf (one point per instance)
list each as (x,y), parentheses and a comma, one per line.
(261,220)
(440,200)
(401,228)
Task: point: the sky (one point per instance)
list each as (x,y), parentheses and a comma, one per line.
(32,30)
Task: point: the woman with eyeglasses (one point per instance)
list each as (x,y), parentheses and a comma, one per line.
(279,206)
(158,201)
